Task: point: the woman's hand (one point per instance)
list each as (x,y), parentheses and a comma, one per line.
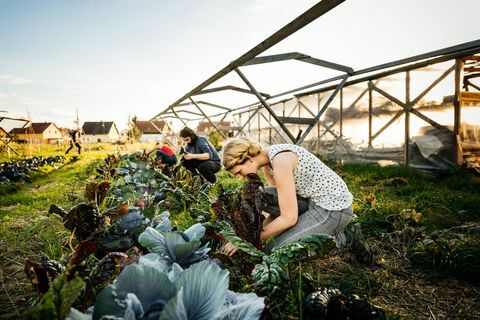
(188,156)
(228,249)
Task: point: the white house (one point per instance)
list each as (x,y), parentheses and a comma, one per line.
(38,132)
(102,131)
(153,130)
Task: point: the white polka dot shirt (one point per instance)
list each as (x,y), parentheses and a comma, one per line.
(314,180)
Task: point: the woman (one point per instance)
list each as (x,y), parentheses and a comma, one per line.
(200,155)
(312,198)
(164,154)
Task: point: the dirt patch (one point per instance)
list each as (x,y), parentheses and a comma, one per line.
(401,289)
(16,290)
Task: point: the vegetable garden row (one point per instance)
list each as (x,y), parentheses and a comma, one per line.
(144,245)
(22,170)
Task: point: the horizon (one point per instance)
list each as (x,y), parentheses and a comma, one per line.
(114,59)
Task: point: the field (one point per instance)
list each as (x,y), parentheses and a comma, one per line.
(402,211)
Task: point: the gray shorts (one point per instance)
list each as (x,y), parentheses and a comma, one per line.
(312,219)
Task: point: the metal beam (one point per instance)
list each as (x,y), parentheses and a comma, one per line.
(325,106)
(398,114)
(223,88)
(305,18)
(176,114)
(430,121)
(327,64)
(247,122)
(273,127)
(300,57)
(297,120)
(433,60)
(387,95)
(214,105)
(266,105)
(306,108)
(200,102)
(434,83)
(275,58)
(208,118)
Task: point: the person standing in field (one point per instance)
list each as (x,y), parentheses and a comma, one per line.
(200,157)
(164,154)
(75,141)
(310,198)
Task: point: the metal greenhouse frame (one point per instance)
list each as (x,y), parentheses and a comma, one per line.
(189,106)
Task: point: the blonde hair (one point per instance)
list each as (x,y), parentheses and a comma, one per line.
(237,151)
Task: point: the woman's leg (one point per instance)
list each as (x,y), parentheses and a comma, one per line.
(315,220)
(273,207)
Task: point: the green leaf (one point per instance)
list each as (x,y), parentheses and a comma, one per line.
(241,306)
(153,240)
(69,294)
(146,283)
(202,289)
(195,232)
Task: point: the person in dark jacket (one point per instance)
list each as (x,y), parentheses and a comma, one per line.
(200,157)
(75,141)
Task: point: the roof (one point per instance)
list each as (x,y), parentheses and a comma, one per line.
(34,128)
(222,125)
(100,127)
(150,127)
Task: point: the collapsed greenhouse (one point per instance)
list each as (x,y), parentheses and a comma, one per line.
(421,111)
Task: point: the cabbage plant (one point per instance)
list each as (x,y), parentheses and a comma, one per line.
(183,248)
(199,292)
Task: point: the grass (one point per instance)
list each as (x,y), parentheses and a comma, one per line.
(26,229)
(380,193)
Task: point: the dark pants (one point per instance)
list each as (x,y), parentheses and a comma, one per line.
(207,168)
(76,144)
(274,208)
(167,159)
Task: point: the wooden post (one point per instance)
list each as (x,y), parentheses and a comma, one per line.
(341,113)
(258,122)
(269,129)
(457,105)
(407,117)
(370,106)
(318,124)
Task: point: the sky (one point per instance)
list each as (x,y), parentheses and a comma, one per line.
(112,59)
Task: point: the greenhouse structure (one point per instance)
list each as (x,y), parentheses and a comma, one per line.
(421,111)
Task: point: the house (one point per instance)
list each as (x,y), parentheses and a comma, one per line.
(3,133)
(101,131)
(205,128)
(38,132)
(156,130)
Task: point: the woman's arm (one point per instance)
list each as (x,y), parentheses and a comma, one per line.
(199,156)
(283,167)
(200,145)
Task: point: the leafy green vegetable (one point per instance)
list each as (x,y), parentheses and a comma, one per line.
(200,292)
(183,248)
